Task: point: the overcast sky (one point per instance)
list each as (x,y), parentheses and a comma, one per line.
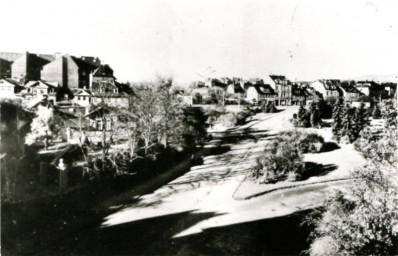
(303,40)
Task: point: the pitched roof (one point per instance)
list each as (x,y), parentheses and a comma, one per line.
(32,84)
(83,64)
(81,92)
(104,71)
(330,84)
(264,89)
(277,77)
(216,82)
(238,88)
(95,61)
(349,88)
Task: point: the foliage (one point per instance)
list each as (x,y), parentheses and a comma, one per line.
(194,133)
(389,113)
(280,161)
(15,124)
(337,118)
(348,122)
(310,143)
(376,113)
(283,157)
(269,107)
(315,118)
(242,116)
(364,219)
(197,98)
(45,126)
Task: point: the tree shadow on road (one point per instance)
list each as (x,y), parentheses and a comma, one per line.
(275,236)
(150,236)
(154,236)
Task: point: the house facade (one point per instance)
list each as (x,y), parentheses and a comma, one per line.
(328,88)
(39,89)
(9,88)
(349,91)
(82,97)
(260,92)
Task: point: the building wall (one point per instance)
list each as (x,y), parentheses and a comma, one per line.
(28,67)
(318,86)
(120,102)
(72,71)
(5,68)
(6,90)
(251,94)
(53,72)
(284,94)
(19,68)
(82,100)
(364,90)
(99,79)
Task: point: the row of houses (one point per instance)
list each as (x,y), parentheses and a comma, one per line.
(282,91)
(77,80)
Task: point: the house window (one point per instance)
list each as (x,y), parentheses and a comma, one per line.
(99,125)
(41,91)
(108,125)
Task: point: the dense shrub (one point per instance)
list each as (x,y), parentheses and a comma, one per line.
(280,161)
(376,112)
(269,107)
(283,157)
(241,117)
(311,143)
(305,142)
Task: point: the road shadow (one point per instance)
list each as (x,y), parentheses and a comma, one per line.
(314,169)
(275,236)
(154,236)
(150,236)
(329,146)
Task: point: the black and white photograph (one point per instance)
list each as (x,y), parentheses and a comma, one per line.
(210,127)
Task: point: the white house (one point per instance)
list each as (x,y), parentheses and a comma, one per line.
(350,93)
(40,89)
(259,92)
(269,80)
(327,88)
(8,89)
(364,88)
(82,97)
